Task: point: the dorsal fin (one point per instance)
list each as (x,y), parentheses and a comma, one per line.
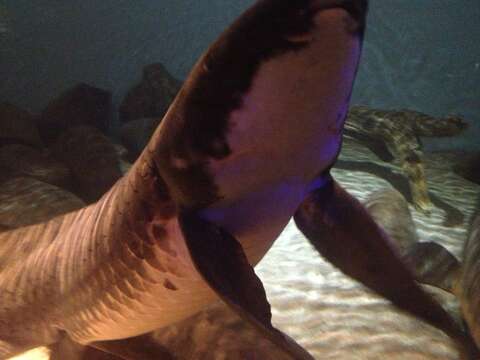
(434,265)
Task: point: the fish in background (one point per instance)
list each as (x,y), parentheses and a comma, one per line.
(389,209)
(436,266)
(394,135)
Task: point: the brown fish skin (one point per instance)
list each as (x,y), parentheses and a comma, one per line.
(468,287)
(434,265)
(134,272)
(120,267)
(125,268)
(330,216)
(389,209)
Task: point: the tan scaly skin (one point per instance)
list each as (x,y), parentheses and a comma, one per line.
(248,141)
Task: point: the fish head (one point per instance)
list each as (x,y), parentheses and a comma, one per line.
(272,91)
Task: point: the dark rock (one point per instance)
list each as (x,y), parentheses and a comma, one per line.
(468,167)
(21,160)
(152,96)
(17,126)
(27,201)
(135,135)
(81,105)
(92,159)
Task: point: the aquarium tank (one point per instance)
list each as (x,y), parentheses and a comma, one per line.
(129,227)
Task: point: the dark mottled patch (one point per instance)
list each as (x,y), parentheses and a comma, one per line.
(217,84)
(169,285)
(146,205)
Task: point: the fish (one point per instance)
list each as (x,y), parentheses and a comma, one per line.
(395,135)
(434,265)
(247,143)
(389,208)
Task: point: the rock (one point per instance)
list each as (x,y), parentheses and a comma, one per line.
(92,159)
(17,126)
(152,96)
(81,105)
(21,160)
(27,201)
(135,135)
(468,167)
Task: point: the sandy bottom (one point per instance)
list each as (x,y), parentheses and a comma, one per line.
(329,314)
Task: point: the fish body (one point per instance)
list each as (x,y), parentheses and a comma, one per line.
(436,266)
(120,267)
(247,143)
(389,209)
(468,287)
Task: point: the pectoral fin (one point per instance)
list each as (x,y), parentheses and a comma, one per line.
(340,228)
(434,265)
(220,259)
